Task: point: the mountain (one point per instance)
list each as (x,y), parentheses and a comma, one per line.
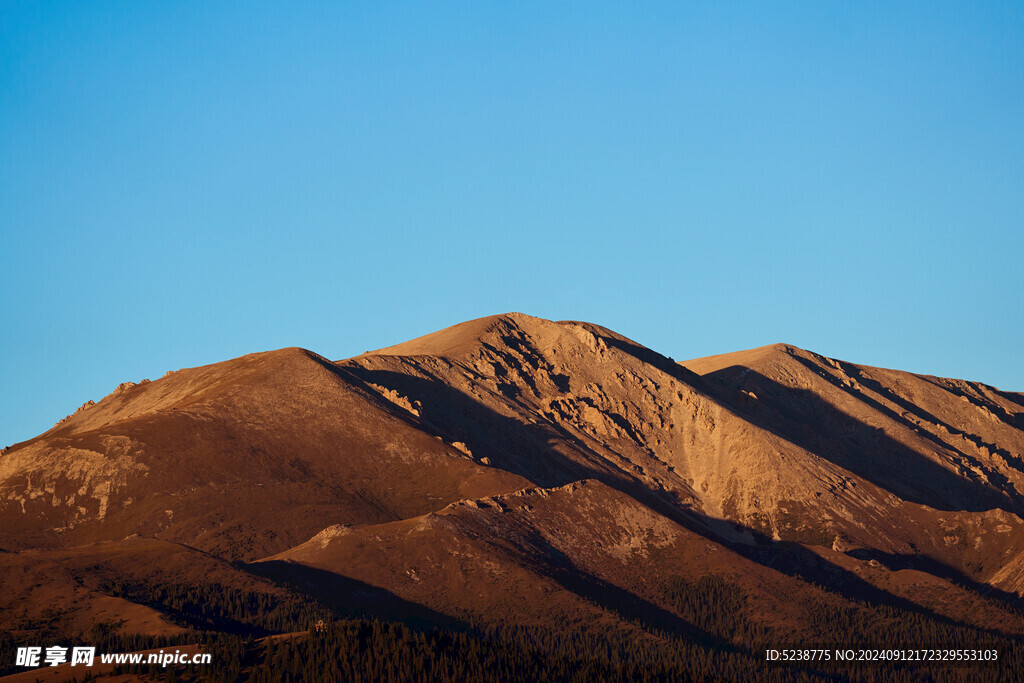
(241,458)
(517,473)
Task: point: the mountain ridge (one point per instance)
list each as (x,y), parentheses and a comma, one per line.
(550,472)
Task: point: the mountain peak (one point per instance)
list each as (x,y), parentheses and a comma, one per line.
(746,358)
(469,337)
(456,340)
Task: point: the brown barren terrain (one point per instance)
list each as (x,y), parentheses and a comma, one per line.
(517,473)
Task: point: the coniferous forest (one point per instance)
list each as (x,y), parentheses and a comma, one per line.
(293,637)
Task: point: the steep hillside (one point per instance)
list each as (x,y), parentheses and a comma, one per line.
(792,453)
(948,452)
(242,458)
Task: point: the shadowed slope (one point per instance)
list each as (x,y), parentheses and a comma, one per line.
(946,445)
(956,441)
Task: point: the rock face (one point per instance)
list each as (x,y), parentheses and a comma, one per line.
(537,472)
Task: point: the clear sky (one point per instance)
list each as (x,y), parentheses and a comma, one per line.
(185,182)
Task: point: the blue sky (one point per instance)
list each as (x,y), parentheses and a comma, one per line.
(186,182)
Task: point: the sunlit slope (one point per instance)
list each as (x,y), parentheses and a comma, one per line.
(242,458)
